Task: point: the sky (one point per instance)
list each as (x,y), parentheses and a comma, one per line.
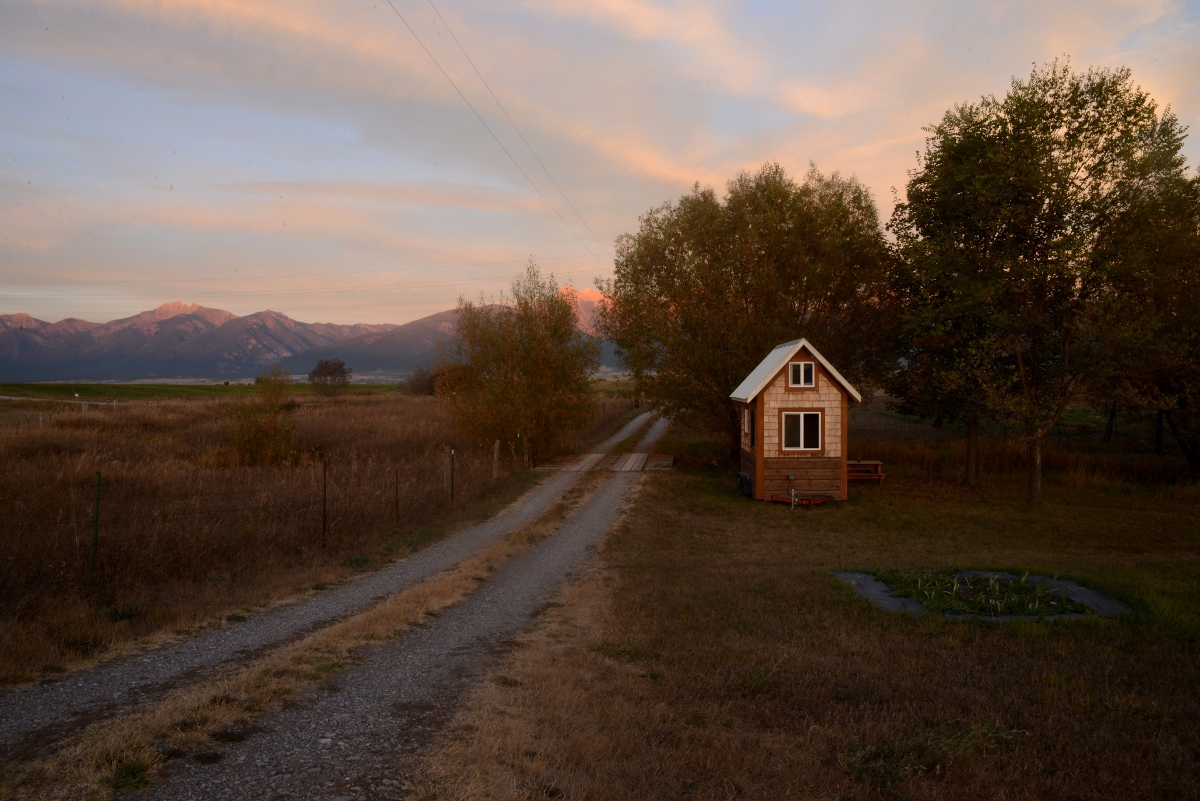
(362,161)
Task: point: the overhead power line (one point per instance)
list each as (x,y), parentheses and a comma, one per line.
(504,111)
(491,132)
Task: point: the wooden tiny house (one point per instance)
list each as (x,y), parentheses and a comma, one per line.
(795,411)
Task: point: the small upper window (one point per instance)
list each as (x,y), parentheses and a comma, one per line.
(803,374)
(746,420)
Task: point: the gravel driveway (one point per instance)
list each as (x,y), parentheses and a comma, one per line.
(353,739)
(33,715)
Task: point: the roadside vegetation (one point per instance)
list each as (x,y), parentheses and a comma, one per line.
(518,370)
(711,653)
(216,506)
(213,507)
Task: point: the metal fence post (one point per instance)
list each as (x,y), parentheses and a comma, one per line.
(324,500)
(96,529)
(452,476)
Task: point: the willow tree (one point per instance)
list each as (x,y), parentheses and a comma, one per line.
(706,288)
(518,369)
(1006,225)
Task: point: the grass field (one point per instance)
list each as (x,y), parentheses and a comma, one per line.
(123,392)
(187,536)
(711,653)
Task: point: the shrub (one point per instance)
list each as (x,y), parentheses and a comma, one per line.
(519,370)
(330,376)
(261,430)
(420,381)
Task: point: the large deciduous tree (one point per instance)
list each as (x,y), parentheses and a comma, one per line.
(518,369)
(1011,288)
(1155,249)
(706,288)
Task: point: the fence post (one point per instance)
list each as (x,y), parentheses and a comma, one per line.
(396,470)
(452,476)
(96,529)
(496,460)
(324,499)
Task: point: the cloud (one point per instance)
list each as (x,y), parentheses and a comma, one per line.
(154,138)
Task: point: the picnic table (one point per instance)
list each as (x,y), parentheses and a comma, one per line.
(865,470)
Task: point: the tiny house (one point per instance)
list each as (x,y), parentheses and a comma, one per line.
(795,412)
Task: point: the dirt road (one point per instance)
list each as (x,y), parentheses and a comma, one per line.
(354,739)
(35,715)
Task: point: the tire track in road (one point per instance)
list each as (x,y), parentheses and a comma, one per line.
(350,742)
(33,716)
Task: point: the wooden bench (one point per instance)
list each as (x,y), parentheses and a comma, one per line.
(865,471)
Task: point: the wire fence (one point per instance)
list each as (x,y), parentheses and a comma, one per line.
(172,508)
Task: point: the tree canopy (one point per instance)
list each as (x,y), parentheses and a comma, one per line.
(518,369)
(1011,283)
(706,288)
(329,376)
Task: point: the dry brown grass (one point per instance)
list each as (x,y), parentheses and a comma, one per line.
(713,655)
(187,537)
(197,715)
(1004,460)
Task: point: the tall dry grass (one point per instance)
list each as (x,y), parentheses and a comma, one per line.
(185,533)
(1068,463)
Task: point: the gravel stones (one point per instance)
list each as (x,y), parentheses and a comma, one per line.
(360,741)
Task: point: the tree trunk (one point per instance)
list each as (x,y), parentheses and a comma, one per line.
(1158,434)
(1187,436)
(1033,450)
(972,452)
(1111,429)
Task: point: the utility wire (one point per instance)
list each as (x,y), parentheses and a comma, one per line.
(515,128)
(490,131)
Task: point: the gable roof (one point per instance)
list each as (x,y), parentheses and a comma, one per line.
(776,359)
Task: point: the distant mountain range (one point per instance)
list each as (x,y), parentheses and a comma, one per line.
(178,340)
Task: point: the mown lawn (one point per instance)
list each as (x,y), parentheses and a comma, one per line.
(712,654)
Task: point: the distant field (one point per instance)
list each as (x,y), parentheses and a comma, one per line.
(107,392)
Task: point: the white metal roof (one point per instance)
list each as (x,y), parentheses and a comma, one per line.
(776,359)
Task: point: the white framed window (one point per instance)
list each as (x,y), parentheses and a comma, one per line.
(802,374)
(746,420)
(802,431)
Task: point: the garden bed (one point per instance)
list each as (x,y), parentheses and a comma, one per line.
(975,593)
(980,594)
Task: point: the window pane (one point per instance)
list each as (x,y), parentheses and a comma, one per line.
(791,431)
(796,375)
(812,430)
(808,374)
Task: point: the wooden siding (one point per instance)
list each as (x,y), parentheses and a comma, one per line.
(815,475)
(827,396)
(746,407)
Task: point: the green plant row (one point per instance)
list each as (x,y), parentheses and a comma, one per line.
(942,591)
